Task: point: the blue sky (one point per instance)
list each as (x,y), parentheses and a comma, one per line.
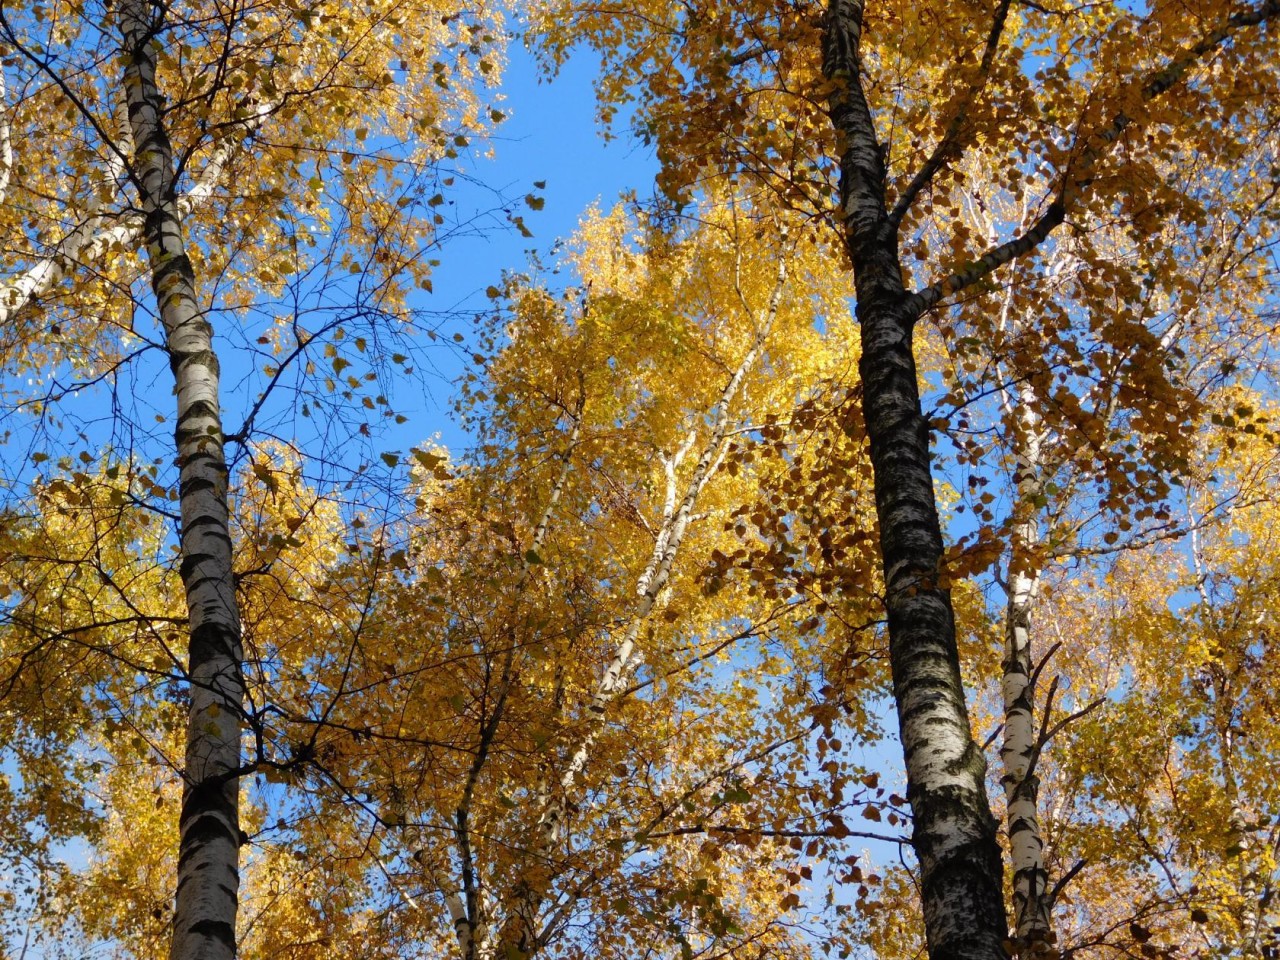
(551,135)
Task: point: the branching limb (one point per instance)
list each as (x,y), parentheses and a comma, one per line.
(1090,151)
(1065,879)
(952,141)
(466,906)
(990,261)
(91,240)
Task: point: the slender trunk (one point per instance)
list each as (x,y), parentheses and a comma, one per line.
(954,832)
(521,931)
(1019,752)
(6,143)
(658,572)
(1248,944)
(208,853)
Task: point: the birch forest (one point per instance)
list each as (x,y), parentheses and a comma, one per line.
(859,538)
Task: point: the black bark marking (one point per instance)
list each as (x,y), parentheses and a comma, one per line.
(212,641)
(954,833)
(215,930)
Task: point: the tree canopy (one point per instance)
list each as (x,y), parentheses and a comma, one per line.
(860,545)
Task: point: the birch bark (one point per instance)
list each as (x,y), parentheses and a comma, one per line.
(91,239)
(1021,746)
(6,141)
(651,582)
(1018,753)
(954,832)
(209,845)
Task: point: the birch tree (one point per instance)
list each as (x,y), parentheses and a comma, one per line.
(738,80)
(1158,870)
(1082,483)
(593,779)
(204,921)
(192,150)
(602,683)
(962,909)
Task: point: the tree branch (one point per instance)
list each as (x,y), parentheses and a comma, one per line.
(951,143)
(1079,174)
(922,300)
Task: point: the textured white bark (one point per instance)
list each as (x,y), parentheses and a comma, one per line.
(677,513)
(6,142)
(953,832)
(1249,942)
(451,893)
(667,546)
(208,858)
(1019,750)
(670,464)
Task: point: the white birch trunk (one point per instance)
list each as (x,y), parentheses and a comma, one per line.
(6,142)
(209,846)
(953,831)
(676,517)
(1249,941)
(658,572)
(1018,753)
